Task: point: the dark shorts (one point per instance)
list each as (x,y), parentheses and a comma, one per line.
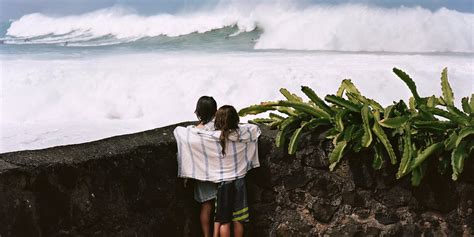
(231,202)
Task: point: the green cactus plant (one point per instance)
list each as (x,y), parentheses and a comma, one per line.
(356,123)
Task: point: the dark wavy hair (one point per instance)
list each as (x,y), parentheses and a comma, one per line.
(206,108)
(227,121)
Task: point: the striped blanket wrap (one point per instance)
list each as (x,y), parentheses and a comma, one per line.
(200,153)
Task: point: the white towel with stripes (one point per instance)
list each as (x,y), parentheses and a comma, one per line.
(200,153)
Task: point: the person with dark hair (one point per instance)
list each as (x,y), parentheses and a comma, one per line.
(227,121)
(206,108)
(231,202)
(221,154)
(205,191)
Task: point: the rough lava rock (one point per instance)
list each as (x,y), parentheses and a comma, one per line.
(127,186)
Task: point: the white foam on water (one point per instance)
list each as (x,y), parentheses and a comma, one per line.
(54,101)
(285,26)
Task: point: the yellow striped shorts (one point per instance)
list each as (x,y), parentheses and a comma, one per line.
(231,202)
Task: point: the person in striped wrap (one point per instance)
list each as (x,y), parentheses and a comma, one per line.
(222,156)
(231,203)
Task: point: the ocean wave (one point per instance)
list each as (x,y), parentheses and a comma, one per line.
(96,97)
(340,28)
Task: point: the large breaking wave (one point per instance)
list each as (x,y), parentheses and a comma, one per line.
(340,28)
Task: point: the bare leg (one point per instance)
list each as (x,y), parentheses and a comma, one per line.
(238,229)
(217,227)
(225,230)
(205,216)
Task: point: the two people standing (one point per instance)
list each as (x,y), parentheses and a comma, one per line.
(218,152)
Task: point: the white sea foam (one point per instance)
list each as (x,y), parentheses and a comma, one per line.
(54,95)
(53,101)
(340,28)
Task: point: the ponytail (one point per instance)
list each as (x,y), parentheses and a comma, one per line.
(227,121)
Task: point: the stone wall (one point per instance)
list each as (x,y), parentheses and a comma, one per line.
(127,186)
(299,196)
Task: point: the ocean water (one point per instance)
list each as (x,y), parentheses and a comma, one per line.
(77,78)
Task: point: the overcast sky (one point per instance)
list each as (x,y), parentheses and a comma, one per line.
(13,9)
